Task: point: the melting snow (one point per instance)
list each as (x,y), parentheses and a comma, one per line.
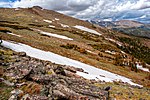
(112,40)
(91,52)
(110,52)
(63,25)
(13,34)
(52,34)
(86,29)
(93,73)
(48,21)
(51,26)
(17,9)
(141,67)
(56,35)
(56,19)
(123,52)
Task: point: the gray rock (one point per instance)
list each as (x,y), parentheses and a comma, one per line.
(13,97)
(38,97)
(16,91)
(58,94)
(26,97)
(60,70)
(8,83)
(58,81)
(22,54)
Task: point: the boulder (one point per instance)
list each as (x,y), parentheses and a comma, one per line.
(22,54)
(60,70)
(16,92)
(65,90)
(59,95)
(13,97)
(71,69)
(26,97)
(71,74)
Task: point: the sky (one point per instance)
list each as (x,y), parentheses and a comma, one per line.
(91,9)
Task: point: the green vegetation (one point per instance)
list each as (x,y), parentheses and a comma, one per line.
(135,48)
(87,36)
(10,22)
(4,30)
(5,91)
(75,47)
(31,88)
(142,31)
(17,27)
(103,47)
(69,46)
(119,60)
(38,25)
(4,60)
(124,92)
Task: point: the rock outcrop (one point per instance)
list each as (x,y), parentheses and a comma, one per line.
(34,79)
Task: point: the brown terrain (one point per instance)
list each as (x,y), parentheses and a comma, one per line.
(26,77)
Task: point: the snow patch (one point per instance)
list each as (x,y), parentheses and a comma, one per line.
(13,34)
(48,21)
(110,52)
(51,26)
(87,29)
(141,67)
(123,52)
(63,25)
(52,34)
(91,52)
(93,73)
(17,9)
(115,41)
(56,19)
(55,35)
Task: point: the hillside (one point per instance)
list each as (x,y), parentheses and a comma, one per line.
(75,51)
(129,27)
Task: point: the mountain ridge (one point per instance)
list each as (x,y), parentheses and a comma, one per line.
(126,26)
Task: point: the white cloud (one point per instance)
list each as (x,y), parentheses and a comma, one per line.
(140,4)
(5,4)
(89,8)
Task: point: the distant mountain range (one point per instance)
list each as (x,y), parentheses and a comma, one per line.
(126,26)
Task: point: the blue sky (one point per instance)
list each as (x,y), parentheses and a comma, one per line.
(90,9)
(8,0)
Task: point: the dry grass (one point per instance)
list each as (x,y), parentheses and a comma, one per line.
(123,92)
(32,38)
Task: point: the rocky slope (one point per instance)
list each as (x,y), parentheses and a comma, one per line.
(27,78)
(37,80)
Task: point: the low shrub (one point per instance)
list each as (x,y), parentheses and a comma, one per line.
(75,47)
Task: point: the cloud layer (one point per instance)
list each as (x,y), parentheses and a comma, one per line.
(89,9)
